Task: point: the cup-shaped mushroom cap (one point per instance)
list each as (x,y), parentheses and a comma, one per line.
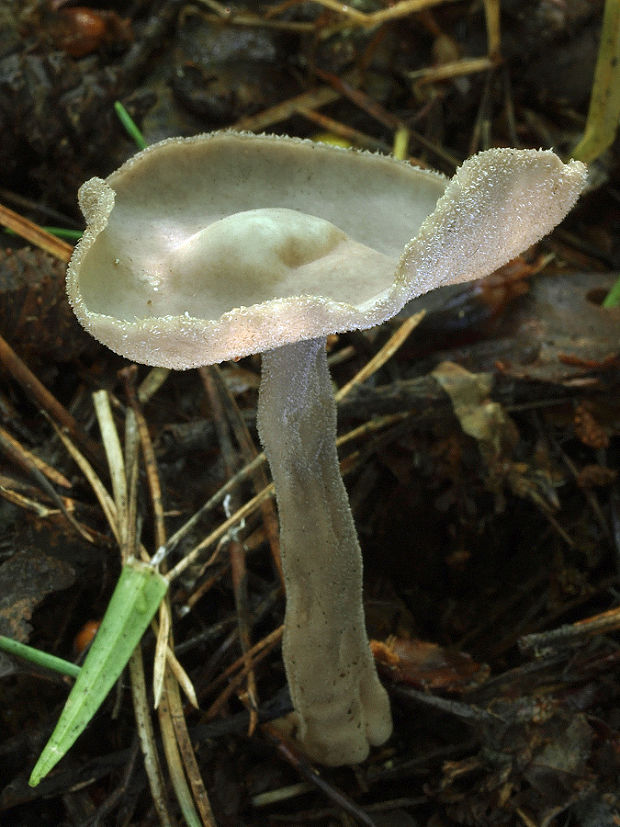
(214,247)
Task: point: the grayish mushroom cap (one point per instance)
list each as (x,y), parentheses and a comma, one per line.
(214,247)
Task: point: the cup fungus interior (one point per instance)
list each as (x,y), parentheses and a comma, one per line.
(202,227)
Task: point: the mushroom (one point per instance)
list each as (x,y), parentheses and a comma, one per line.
(222,245)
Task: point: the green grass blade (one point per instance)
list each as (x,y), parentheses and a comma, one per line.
(130,125)
(612,299)
(39,658)
(59,232)
(63,232)
(136,598)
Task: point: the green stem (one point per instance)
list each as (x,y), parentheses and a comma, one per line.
(39,658)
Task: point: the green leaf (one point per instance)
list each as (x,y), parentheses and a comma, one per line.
(136,598)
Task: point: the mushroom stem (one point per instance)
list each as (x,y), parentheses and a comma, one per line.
(340,704)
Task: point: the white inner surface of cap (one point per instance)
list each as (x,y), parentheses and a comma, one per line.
(240,260)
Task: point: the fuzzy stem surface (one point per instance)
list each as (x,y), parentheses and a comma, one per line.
(340,704)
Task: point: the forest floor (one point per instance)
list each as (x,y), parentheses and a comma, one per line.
(489,516)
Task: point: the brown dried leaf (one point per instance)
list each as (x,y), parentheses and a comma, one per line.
(427,665)
(25,580)
(588,429)
(560,329)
